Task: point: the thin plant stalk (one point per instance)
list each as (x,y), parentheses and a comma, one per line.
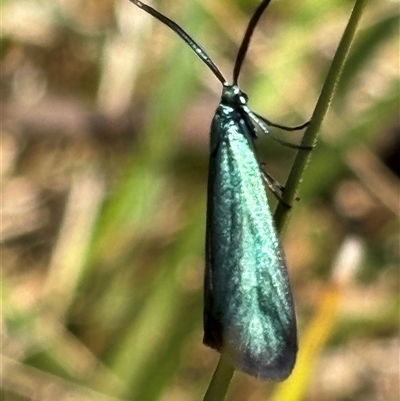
(321,108)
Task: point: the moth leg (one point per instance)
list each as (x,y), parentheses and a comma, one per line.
(274,186)
(262,123)
(283,127)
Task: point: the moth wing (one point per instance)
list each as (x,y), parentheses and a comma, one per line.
(249,312)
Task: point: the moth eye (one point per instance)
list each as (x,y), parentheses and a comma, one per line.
(243,99)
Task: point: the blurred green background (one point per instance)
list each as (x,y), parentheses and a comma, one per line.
(105,119)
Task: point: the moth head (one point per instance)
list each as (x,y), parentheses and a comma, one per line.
(233,96)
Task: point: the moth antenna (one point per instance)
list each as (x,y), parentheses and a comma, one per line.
(194,45)
(246,39)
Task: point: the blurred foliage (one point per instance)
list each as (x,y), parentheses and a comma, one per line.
(105,118)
